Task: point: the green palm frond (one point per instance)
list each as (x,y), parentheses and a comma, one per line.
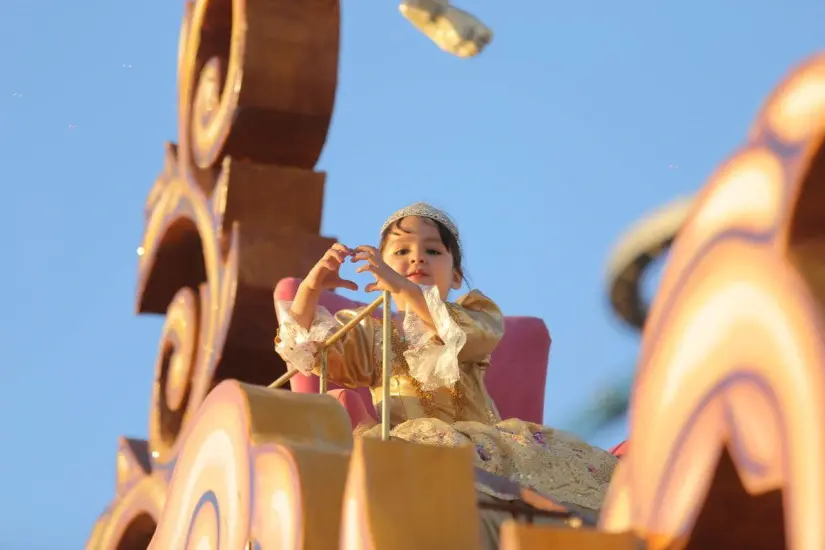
(610,405)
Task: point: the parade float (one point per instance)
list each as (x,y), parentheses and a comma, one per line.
(726,442)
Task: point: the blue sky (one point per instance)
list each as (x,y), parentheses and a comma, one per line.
(579,118)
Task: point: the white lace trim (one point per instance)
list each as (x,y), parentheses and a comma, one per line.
(297,345)
(434,364)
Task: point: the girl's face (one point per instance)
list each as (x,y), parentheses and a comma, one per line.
(417,252)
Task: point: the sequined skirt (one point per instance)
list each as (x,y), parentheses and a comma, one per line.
(550,461)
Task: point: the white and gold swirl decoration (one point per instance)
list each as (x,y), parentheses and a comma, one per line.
(726,428)
(258,468)
(131,519)
(733,355)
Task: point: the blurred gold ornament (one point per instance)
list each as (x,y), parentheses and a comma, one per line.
(453,30)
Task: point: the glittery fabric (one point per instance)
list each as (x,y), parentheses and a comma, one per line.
(550,461)
(422,210)
(547,460)
(355,360)
(350,360)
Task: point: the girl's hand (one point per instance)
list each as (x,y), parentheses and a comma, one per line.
(325,274)
(385,277)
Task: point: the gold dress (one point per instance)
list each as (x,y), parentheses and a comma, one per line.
(438,396)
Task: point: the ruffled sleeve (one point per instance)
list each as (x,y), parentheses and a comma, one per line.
(349,361)
(466,331)
(483,323)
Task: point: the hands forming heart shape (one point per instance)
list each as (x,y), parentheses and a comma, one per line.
(325,275)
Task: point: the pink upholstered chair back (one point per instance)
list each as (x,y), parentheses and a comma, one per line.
(517,374)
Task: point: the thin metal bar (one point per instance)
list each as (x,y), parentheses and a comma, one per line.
(283,379)
(386,366)
(287,376)
(355,320)
(322,385)
(518,508)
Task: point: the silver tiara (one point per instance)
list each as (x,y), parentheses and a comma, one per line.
(422,210)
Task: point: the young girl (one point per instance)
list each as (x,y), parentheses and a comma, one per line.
(441,351)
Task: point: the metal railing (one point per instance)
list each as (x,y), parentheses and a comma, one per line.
(518,509)
(386,357)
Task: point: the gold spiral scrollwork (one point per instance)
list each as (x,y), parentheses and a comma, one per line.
(635,252)
(257,80)
(130,523)
(186,21)
(209,120)
(181,250)
(173,371)
(211,70)
(191,240)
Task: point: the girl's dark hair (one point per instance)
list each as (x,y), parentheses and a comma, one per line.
(447,239)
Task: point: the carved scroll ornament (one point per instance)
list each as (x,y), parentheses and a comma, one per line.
(730,395)
(236,207)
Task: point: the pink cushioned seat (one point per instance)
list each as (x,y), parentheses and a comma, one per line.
(516,379)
